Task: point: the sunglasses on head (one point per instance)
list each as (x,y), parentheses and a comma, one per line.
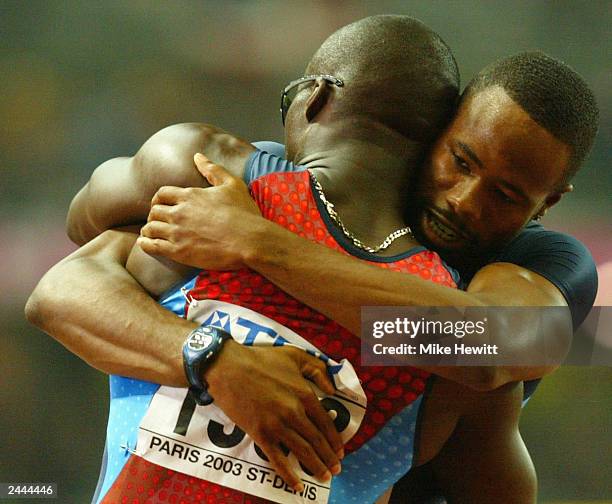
(286,100)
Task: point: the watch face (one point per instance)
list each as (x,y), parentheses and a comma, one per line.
(200,340)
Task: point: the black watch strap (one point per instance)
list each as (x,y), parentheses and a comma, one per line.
(200,349)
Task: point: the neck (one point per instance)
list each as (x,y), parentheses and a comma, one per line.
(366,178)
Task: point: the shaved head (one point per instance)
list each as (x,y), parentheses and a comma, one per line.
(397,72)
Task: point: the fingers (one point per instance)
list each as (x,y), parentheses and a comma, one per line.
(160,213)
(304,452)
(215,174)
(316,452)
(157,229)
(281,465)
(169,195)
(326,428)
(316,371)
(156,246)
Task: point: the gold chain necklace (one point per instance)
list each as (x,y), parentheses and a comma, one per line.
(331,211)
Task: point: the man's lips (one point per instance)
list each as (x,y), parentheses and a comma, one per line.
(443,228)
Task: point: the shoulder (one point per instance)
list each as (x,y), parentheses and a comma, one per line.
(177,136)
(194,132)
(177,131)
(172,145)
(535,242)
(171,150)
(185,138)
(560,258)
(268,159)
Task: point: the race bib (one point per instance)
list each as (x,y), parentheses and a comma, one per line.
(203,442)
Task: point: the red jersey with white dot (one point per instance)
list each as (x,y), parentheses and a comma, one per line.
(287,198)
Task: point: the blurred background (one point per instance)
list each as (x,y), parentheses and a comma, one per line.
(81,82)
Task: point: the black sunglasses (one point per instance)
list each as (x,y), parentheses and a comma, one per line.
(286,101)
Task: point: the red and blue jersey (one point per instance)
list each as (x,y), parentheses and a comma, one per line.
(381,450)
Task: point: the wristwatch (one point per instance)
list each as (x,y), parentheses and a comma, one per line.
(199,350)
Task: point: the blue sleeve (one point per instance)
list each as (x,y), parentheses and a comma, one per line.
(268,158)
(562,260)
(278,149)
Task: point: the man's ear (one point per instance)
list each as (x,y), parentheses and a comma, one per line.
(554,198)
(317,99)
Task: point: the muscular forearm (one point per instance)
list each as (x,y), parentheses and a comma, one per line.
(339,286)
(95,308)
(335,284)
(92,305)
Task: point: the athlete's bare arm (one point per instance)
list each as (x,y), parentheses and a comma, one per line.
(332,276)
(81,302)
(484,460)
(93,306)
(120,190)
(279,255)
(469,450)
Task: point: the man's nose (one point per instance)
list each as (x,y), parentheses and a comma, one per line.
(463,199)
